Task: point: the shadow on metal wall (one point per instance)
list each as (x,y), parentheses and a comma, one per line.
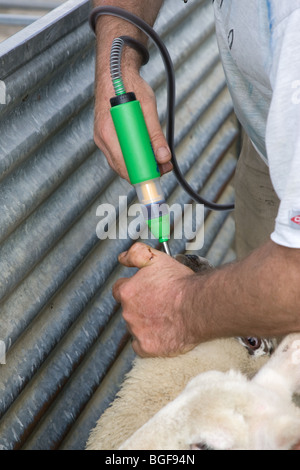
(67,348)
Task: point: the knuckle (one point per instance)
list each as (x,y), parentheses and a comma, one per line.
(149,347)
(126,292)
(101,133)
(98,139)
(136,247)
(138,253)
(123,292)
(150,98)
(158,137)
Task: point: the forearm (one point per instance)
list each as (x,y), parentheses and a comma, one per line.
(110,27)
(257,296)
(146,10)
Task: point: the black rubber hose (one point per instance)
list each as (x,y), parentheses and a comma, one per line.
(170,121)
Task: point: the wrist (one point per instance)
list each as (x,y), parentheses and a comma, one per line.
(131,60)
(186,301)
(107,29)
(202,321)
(110,27)
(127,21)
(145,11)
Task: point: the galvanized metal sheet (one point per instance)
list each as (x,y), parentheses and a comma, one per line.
(30,4)
(67,347)
(16,14)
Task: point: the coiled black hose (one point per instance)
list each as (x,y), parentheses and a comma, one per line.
(170,120)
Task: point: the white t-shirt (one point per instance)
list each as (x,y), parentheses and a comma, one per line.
(259,42)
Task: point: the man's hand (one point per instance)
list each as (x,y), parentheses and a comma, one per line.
(107,29)
(152,302)
(170,309)
(104,132)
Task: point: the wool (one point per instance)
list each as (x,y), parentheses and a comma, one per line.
(154,382)
(227,411)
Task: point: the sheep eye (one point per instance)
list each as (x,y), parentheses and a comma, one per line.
(200,446)
(253,343)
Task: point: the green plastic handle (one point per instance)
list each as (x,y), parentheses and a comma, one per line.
(135,142)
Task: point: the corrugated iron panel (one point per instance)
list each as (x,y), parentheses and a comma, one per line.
(67,345)
(16,14)
(30,4)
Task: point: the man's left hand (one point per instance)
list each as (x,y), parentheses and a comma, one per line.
(152,302)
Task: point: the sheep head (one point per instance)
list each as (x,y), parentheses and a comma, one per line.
(227,411)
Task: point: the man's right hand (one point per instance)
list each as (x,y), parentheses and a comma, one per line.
(108,28)
(104,132)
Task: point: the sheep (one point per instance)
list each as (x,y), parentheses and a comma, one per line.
(227,411)
(154,382)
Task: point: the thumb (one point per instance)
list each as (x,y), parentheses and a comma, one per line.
(160,146)
(140,255)
(146,96)
(159,143)
(157,137)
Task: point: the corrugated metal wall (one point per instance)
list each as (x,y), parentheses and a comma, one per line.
(16,14)
(67,346)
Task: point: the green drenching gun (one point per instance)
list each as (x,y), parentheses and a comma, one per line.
(133,134)
(137,152)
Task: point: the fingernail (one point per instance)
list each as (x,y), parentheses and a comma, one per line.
(162,153)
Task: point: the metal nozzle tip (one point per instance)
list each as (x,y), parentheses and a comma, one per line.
(166,248)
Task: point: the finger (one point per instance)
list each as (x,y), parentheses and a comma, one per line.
(116,288)
(158,140)
(165,168)
(159,143)
(139,256)
(137,348)
(162,153)
(106,139)
(115,158)
(109,158)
